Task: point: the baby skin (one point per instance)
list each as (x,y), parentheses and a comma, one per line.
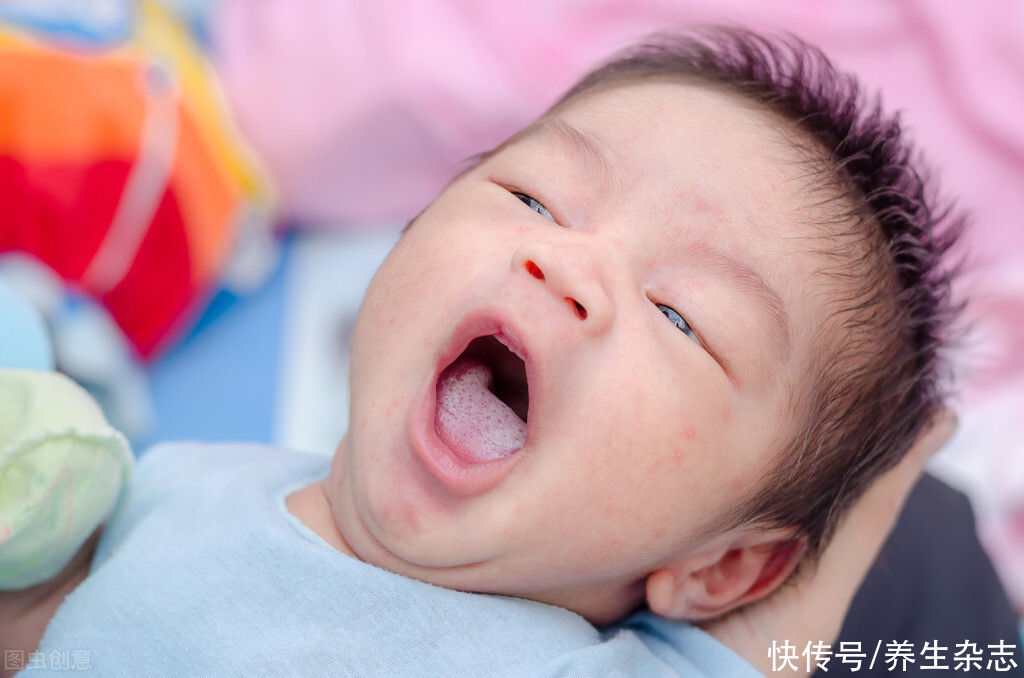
(581,356)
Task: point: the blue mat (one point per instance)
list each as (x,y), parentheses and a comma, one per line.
(219,383)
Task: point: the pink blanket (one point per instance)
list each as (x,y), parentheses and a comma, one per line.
(363,109)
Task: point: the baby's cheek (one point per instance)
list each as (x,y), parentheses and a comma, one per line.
(682,450)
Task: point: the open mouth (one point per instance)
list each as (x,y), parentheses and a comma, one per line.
(483,400)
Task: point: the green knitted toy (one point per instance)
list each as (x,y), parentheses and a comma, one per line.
(62,468)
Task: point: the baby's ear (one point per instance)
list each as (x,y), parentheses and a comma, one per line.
(722,578)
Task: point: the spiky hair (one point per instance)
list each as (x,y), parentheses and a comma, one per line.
(881,372)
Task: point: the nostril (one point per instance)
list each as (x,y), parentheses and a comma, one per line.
(534,270)
(581,312)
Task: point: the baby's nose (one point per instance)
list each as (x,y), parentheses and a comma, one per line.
(573,275)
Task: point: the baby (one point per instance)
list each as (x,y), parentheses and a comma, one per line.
(630,367)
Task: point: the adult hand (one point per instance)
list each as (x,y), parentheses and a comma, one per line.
(812,608)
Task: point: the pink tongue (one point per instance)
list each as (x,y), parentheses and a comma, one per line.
(471,420)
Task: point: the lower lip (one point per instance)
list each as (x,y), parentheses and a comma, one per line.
(459,476)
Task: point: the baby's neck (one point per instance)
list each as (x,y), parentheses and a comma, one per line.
(311,506)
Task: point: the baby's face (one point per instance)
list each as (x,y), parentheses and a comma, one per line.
(634,272)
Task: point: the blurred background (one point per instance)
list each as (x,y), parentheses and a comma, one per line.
(196,194)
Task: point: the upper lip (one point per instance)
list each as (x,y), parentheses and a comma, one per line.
(511,342)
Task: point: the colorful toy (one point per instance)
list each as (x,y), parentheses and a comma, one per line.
(119,166)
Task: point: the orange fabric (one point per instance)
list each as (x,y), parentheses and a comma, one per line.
(207,197)
(59,109)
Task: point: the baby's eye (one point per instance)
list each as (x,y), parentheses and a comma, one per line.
(534,205)
(678,321)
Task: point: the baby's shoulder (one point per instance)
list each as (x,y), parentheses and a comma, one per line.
(175,483)
(188,471)
(176,475)
(183,455)
(192,462)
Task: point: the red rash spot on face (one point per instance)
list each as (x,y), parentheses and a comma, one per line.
(690,433)
(701,205)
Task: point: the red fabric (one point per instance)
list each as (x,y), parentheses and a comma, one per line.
(59,213)
(157,290)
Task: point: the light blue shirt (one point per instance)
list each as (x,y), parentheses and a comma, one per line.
(203,571)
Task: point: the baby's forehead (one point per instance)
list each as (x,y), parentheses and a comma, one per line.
(676,145)
(661,110)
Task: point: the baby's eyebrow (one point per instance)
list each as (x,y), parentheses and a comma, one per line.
(754,283)
(588,151)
